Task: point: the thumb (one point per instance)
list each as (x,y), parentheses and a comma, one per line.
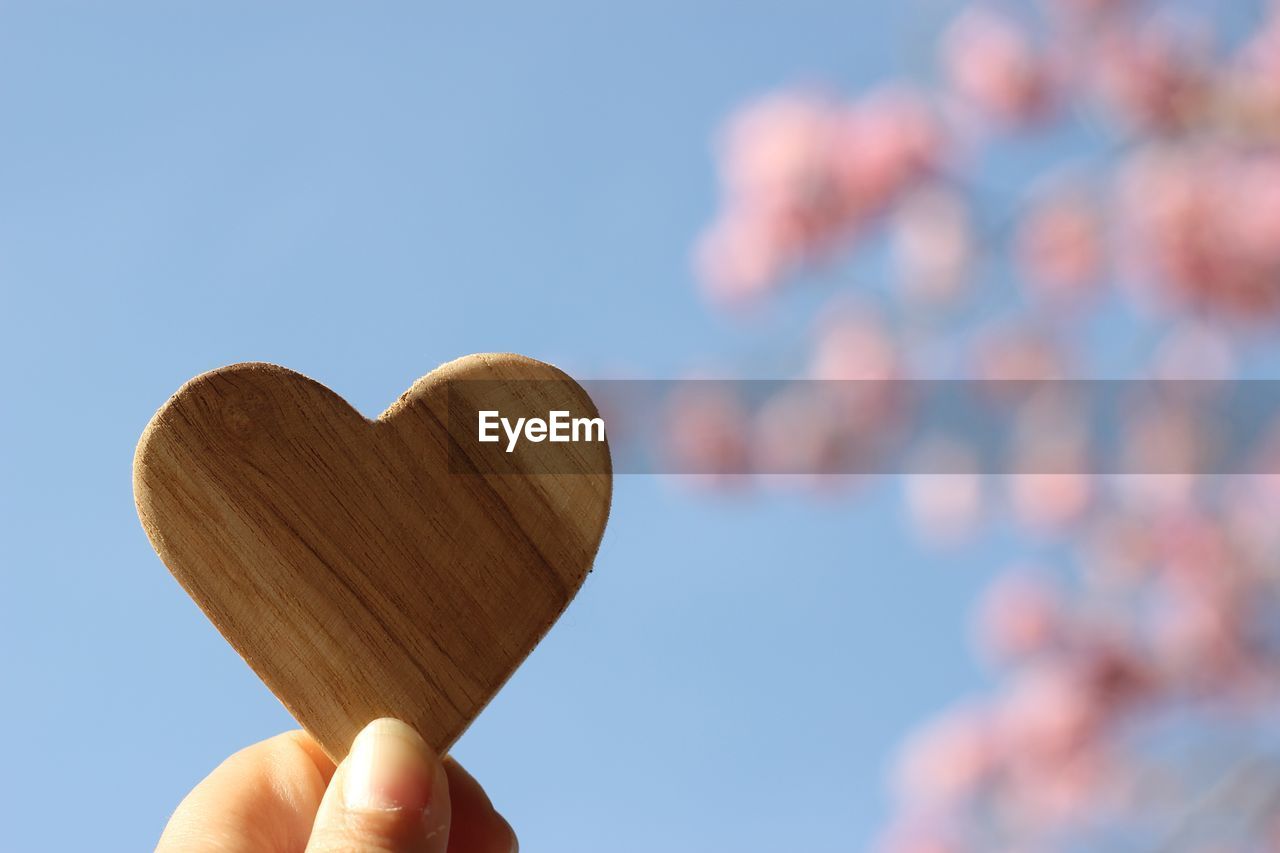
(390,795)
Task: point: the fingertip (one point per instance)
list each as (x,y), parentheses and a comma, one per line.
(390,793)
(391,767)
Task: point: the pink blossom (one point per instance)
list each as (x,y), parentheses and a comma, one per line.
(742,257)
(1089,9)
(782,200)
(933,244)
(1021,615)
(853,344)
(1165,454)
(1206,222)
(919,836)
(948,759)
(1194,352)
(858,362)
(1049,501)
(798,432)
(1039,798)
(1050,483)
(1119,550)
(1152,79)
(706,432)
(990,61)
(944,491)
(802,175)
(887,141)
(1059,247)
(1049,712)
(1196,638)
(1021,355)
(1252,83)
(1260,53)
(1056,707)
(779,149)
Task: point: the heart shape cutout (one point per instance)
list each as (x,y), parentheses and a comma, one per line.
(368,568)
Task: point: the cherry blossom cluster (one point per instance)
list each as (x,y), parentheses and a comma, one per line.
(1189,139)
(1157,205)
(1173,609)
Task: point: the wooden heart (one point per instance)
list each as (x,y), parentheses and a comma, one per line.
(369,568)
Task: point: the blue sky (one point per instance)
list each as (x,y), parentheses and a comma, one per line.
(361,192)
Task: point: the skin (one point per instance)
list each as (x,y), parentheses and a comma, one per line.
(392,794)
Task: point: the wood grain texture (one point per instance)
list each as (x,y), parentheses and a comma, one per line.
(341,557)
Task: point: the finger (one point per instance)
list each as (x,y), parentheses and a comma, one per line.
(390,795)
(263,798)
(477,827)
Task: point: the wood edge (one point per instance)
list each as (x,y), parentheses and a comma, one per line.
(449,369)
(543,631)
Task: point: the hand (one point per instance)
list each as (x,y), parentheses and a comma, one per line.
(390,795)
